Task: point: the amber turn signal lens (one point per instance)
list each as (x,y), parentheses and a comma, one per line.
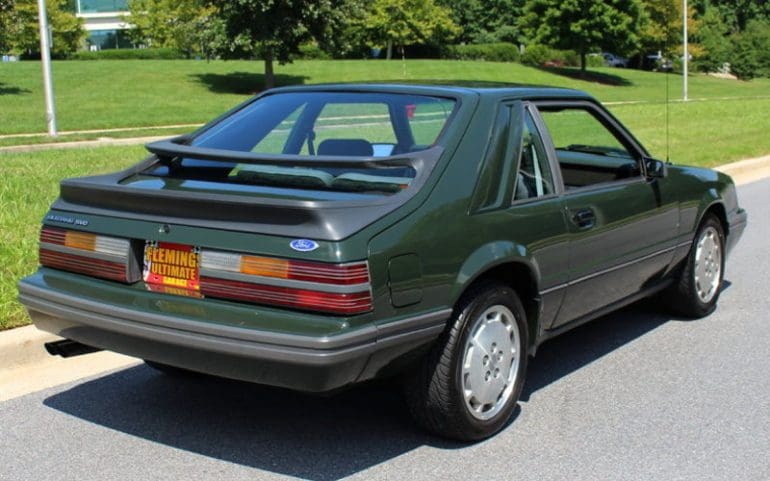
(80,240)
(266,267)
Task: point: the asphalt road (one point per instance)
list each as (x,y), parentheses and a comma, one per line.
(638,395)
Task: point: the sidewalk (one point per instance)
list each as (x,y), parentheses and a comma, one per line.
(101,131)
(79,144)
(26,367)
(746,171)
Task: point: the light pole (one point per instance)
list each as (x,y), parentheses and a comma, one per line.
(685,56)
(45,56)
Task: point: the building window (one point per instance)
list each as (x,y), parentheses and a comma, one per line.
(102,6)
(107,39)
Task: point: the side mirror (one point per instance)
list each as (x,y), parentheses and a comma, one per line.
(656,169)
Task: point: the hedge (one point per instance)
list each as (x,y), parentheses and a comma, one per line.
(491,52)
(129,54)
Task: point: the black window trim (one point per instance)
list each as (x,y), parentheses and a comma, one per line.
(558,183)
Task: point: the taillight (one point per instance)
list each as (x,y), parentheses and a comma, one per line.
(316,286)
(86,253)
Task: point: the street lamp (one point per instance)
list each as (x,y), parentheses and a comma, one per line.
(685,56)
(45,56)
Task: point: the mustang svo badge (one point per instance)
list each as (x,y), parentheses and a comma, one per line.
(303,245)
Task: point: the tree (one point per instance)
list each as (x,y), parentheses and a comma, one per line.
(737,13)
(751,51)
(273,30)
(712,36)
(486,21)
(584,25)
(6,23)
(661,27)
(406,22)
(185,25)
(67,29)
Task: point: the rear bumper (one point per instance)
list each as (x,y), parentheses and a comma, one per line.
(306,363)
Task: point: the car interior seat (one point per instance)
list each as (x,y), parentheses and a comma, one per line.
(346,147)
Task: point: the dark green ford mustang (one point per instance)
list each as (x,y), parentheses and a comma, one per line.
(317,237)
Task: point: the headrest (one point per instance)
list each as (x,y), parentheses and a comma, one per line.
(346,147)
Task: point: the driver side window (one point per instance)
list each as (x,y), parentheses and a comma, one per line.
(589,152)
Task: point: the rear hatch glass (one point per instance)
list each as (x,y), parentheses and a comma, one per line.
(321,128)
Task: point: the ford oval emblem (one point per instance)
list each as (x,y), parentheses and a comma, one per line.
(303,245)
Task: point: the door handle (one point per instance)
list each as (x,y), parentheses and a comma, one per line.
(584,218)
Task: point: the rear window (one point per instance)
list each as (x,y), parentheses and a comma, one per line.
(332,123)
(328,124)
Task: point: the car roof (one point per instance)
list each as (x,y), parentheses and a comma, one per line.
(461,89)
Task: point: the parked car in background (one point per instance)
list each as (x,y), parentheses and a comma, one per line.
(320,236)
(657,62)
(612,60)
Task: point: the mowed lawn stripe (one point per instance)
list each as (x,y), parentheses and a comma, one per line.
(138,93)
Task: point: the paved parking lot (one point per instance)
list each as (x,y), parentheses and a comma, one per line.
(635,395)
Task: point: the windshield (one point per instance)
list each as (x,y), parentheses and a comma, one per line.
(328,124)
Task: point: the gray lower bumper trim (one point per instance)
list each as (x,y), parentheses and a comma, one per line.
(234,341)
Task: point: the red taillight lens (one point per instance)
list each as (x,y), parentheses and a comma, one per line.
(83,265)
(86,253)
(314,286)
(328,302)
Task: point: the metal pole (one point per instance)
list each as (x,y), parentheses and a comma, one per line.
(686,56)
(45,56)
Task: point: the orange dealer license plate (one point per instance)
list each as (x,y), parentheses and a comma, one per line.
(172,268)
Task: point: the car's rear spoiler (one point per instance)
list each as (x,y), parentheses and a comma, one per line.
(170,149)
(288,216)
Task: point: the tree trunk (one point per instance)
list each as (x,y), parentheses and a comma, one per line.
(582,62)
(390,50)
(269,73)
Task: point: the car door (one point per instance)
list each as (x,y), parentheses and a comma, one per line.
(621,230)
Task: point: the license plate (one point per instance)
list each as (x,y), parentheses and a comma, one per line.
(170,267)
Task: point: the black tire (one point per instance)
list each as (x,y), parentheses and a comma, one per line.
(683,296)
(173,371)
(434,389)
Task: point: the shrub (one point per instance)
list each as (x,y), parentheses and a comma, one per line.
(491,52)
(540,55)
(311,51)
(595,61)
(129,54)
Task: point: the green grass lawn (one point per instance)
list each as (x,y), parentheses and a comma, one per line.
(133,93)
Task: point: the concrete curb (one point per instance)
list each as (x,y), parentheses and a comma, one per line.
(64,133)
(748,170)
(79,144)
(24,345)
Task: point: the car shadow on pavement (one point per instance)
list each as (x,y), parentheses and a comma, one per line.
(571,351)
(311,437)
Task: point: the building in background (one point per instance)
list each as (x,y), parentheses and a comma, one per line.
(104,23)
